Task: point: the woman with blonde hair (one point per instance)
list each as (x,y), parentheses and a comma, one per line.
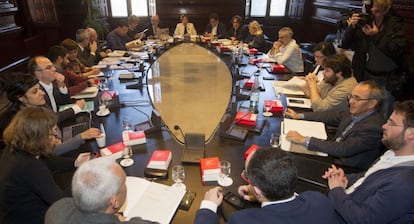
(255,39)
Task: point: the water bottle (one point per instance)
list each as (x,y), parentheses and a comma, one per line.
(255,92)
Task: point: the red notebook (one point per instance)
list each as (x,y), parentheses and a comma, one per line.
(246,118)
(248,83)
(276,105)
(133,137)
(250,150)
(210,168)
(160,159)
(278,68)
(114,150)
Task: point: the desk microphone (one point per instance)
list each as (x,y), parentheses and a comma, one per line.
(176,127)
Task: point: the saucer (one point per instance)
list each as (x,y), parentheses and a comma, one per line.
(103,113)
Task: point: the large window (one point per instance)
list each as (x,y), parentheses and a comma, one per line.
(123,8)
(263,8)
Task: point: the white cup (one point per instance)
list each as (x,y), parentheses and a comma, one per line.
(101,140)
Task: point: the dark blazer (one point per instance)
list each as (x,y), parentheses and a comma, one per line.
(308,207)
(385,196)
(61,99)
(27,188)
(221,30)
(256,41)
(240,33)
(360,146)
(85,57)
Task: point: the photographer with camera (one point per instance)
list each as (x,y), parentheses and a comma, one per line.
(380,46)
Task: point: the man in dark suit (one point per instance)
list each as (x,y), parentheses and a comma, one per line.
(215,27)
(153,27)
(272,176)
(357,141)
(383,194)
(238,30)
(53,85)
(86,48)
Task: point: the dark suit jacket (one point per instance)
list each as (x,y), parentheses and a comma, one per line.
(256,41)
(240,33)
(308,207)
(385,196)
(360,146)
(61,99)
(221,30)
(85,57)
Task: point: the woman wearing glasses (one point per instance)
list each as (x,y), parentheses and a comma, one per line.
(28,188)
(24,91)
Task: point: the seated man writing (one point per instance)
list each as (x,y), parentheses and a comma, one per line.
(357,140)
(272,175)
(332,92)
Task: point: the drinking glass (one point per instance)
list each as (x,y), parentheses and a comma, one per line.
(178,176)
(126,155)
(225,169)
(275,140)
(126,124)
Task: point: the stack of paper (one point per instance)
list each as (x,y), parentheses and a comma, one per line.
(287,88)
(89,92)
(151,201)
(305,128)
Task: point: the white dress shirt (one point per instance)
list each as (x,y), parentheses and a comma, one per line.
(179,29)
(389,159)
(289,55)
(49,93)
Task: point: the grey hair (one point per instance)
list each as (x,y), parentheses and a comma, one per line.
(287,30)
(94,184)
(81,35)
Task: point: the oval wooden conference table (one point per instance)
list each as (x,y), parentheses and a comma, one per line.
(191,86)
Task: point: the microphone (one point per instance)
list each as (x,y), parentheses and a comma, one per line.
(176,127)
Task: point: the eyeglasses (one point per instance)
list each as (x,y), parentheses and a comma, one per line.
(357,98)
(392,123)
(48,67)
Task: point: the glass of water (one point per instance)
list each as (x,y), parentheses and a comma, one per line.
(178,176)
(126,155)
(225,169)
(275,140)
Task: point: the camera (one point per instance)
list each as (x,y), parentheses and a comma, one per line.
(365,18)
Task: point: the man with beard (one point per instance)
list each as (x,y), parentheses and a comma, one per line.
(357,140)
(383,194)
(338,82)
(58,55)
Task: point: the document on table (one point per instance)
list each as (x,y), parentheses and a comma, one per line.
(89,106)
(151,201)
(287,88)
(298,102)
(305,128)
(89,92)
(296,81)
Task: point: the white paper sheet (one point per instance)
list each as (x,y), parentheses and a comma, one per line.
(89,92)
(285,88)
(151,201)
(305,128)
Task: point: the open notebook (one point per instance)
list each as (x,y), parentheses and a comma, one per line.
(151,201)
(305,128)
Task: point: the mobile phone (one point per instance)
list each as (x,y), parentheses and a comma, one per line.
(234,200)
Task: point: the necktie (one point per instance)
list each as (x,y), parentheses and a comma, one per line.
(339,138)
(185,29)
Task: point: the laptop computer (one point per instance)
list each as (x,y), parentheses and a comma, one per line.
(194,147)
(73,130)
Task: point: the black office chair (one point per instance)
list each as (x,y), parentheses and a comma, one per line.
(268,45)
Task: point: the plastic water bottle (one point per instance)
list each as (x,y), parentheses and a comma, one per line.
(254,94)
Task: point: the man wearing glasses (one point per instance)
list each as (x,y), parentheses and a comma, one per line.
(384,193)
(357,141)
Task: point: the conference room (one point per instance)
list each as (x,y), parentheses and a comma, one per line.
(214,96)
